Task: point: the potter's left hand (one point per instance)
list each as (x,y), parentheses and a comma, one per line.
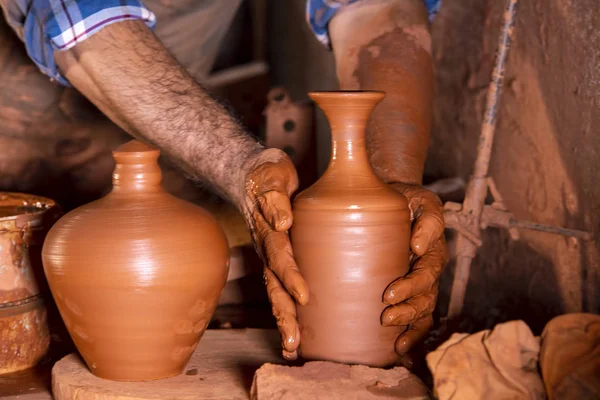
(413,297)
(270,182)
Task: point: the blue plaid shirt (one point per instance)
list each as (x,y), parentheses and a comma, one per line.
(320,12)
(50,25)
(53,25)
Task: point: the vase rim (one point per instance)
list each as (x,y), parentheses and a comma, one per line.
(33,206)
(364,94)
(135,147)
(136,152)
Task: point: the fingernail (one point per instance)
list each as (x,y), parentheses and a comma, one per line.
(387,320)
(278,219)
(407,361)
(389,296)
(291,356)
(290,342)
(288,329)
(401,345)
(281,218)
(421,243)
(300,298)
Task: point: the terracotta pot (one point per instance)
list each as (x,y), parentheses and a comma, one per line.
(351,240)
(24,337)
(137,274)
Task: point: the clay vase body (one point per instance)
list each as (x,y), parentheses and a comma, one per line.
(137,274)
(351,240)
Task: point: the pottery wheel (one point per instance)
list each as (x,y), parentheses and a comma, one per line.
(222,367)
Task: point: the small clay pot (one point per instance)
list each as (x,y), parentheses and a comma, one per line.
(137,274)
(24,336)
(351,240)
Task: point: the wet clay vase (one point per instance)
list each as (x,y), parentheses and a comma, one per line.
(351,240)
(137,274)
(24,334)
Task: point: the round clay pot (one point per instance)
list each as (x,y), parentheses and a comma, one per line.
(351,240)
(24,336)
(137,274)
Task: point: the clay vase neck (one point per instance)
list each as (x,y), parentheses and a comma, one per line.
(348,114)
(137,169)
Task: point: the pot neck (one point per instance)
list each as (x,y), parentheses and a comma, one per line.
(348,148)
(136,169)
(348,114)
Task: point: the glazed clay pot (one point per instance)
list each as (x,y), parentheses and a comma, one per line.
(24,335)
(351,240)
(137,274)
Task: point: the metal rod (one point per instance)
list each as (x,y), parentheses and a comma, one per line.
(477,188)
(551,229)
(488,129)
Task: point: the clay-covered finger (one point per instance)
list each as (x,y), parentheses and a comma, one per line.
(422,278)
(429,223)
(276,208)
(413,335)
(293,355)
(278,251)
(406,360)
(290,355)
(284,311)
(408,312)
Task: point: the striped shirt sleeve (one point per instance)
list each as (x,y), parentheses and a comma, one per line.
(47,26)
(320,12)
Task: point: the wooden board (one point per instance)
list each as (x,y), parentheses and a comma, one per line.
(222,367)
(31,384)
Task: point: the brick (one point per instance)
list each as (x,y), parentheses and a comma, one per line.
(326,380)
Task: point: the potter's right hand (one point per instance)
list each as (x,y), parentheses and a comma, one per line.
(270,181)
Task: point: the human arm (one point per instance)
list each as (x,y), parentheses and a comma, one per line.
(127,73)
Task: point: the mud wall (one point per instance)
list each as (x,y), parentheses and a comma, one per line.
(546,148)
(545,152)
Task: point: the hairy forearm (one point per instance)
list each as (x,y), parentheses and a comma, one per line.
(129,75)
(385,45)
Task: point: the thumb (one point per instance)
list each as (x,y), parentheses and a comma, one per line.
(429,226)
(277,210)
(274,180)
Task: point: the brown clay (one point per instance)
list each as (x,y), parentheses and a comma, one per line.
(351,240)
(137,274)
(570,356)
(24,336)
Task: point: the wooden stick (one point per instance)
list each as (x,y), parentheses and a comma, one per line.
(477,187)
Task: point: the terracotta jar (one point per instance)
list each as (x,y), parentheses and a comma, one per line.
(137,274)
(24,336)
(351,240)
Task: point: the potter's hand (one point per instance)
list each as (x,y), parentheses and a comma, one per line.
(413,297)
(270,182)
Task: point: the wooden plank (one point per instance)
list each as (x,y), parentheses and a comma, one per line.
(222,367)
(31,384)
(30,396)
